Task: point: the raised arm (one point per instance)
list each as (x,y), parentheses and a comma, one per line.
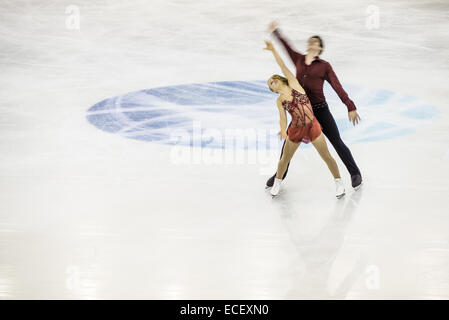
(294,55)
(331,77)
(292,81)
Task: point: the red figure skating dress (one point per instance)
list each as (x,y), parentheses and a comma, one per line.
(304,126)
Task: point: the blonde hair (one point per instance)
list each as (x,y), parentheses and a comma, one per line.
(278,77)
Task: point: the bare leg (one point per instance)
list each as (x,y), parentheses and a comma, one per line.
(321,146)
(289,150)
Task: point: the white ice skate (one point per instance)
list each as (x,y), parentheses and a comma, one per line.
(339,188)
(276,187)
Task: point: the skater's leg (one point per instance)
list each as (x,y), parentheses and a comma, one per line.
(321,146)
(330,130)
(289,150)
(270,181)
(288,164)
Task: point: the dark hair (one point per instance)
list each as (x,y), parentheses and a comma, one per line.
(283,79)
(321,42)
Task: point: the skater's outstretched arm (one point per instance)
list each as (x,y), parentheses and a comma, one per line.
(282,119)
(331,77)
(292,81)
(274,30)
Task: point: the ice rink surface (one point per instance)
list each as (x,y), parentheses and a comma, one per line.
(91,214)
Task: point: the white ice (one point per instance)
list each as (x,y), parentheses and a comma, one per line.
(87,214)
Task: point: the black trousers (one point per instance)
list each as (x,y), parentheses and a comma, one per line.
(330,130)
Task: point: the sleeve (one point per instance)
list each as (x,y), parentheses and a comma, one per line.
(331,77)
(294,55)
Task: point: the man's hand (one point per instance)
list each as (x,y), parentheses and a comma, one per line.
(282,135)
(354,117)
(273,25)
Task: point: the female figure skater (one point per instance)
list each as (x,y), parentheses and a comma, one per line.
(303,127)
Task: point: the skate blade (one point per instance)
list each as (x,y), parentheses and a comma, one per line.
(358,187)
(341,195)
(273,195)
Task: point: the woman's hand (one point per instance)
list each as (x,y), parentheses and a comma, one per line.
(282,135)
(269,46)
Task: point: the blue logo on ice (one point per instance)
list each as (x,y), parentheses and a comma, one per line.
(156,114)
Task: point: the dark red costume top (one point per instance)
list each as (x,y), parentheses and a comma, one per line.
(311,77)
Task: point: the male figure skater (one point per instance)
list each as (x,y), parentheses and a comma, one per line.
(311,71)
